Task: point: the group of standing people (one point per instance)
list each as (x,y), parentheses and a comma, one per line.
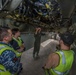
(11,48)
(59,62)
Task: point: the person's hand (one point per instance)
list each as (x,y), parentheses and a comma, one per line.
(22,46)
(21,49)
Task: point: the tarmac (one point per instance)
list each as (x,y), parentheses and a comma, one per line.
(34,67)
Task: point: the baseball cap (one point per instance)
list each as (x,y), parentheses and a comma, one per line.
(67,38)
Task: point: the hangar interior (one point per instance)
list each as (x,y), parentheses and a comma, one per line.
(49,15)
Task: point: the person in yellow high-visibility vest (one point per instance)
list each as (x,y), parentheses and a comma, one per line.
(9,63)
(60,62)
(18,54)
(3,71)
(17,43)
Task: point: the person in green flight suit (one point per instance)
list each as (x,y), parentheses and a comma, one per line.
(37,41)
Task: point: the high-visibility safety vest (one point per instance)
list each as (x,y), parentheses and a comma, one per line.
(19,41)
(3,71)
(3,48)
(65,64)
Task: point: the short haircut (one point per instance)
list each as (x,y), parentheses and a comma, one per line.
(67,38)
(15,30)
(3,33)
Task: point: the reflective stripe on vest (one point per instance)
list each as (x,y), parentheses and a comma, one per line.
(63,57)
(60,73)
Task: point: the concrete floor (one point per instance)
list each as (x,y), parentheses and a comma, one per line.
(34,67)
(31,66)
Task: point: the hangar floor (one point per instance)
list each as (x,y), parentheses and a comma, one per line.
(31,66)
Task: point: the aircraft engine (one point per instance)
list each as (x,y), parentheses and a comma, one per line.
(9,5)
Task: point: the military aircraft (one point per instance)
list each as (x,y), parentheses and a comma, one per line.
(44,13)
(7,6)
(49,14)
